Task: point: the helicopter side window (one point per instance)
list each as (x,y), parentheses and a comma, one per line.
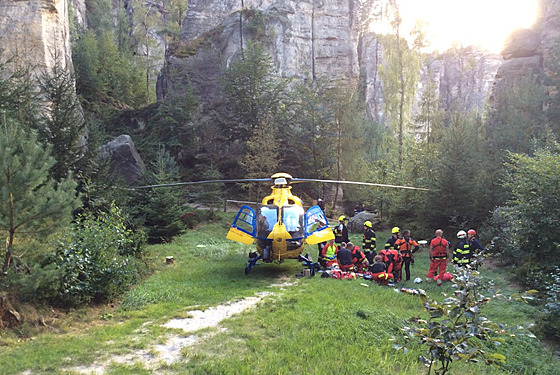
(316,220)
(245,220)
(266,219)
(292,217)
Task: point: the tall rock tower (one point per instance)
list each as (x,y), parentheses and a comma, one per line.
(35,33)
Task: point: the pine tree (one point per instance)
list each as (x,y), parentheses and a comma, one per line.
(457,195)
(252,91)
(429,115)
(63,125)
(146,19)
(162,208)
(31,201)
(262,156)
(309,131)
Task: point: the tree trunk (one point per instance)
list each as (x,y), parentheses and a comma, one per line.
(10,240)
(338,156)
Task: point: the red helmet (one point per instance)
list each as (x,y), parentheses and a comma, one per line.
(472,232)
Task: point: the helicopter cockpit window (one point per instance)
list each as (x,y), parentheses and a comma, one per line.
(292,217)
(266,219)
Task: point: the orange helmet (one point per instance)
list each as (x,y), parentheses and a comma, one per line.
(472,232)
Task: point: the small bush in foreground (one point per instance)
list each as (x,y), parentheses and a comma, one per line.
(94,261)
(456,329)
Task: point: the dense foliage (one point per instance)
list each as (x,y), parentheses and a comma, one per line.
(160,210)
(530,219)
(95,260)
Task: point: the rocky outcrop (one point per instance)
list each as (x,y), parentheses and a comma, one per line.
(522,43)
(522,62)
(35,32)
(79,10)
(307,38)
(124,160)
(465,78)
(551,44)
(370,57)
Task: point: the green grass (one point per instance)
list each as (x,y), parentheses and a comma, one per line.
(318,326)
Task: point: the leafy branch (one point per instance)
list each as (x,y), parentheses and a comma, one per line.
(456,329)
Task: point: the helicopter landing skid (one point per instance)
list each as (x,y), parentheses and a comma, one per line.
(253,259)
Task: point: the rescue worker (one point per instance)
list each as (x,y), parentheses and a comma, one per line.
(462,252)
(389,253)
(379,271)
(341,231)
(344,257)
(328,254)
(394,264)
(369,242)
(394,237)
(439,253)
(359,259)
(475,246)
(407,246)
(321,204)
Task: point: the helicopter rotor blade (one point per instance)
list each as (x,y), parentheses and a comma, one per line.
(296,180)
(203,182)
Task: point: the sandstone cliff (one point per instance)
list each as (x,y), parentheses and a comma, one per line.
(35,32)
(310,39)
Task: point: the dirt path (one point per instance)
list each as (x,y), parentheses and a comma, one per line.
(170,352)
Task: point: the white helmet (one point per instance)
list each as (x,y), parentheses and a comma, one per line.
(418,280)
(461,234)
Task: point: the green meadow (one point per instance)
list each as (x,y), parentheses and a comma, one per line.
(300,326)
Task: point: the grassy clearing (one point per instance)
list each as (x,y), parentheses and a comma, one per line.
(318,326)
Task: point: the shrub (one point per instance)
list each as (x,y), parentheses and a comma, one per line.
(94,260)
(456,329)
(550,322)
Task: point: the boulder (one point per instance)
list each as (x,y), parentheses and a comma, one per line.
(356,222)
(522,43)
(124,160)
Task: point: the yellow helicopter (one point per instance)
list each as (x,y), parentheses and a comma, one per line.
(280,227)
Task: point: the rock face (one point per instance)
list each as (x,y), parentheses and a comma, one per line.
(523,61)
(35,31)
(465,78)
(551,43)
(522,43)
(306,38)
(124,159)
(309,39)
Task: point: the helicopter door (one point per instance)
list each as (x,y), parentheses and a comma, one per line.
(317,226)
(243,226)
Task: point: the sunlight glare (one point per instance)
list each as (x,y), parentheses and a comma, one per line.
(484,23)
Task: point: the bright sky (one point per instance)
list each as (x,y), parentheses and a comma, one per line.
(485,23)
